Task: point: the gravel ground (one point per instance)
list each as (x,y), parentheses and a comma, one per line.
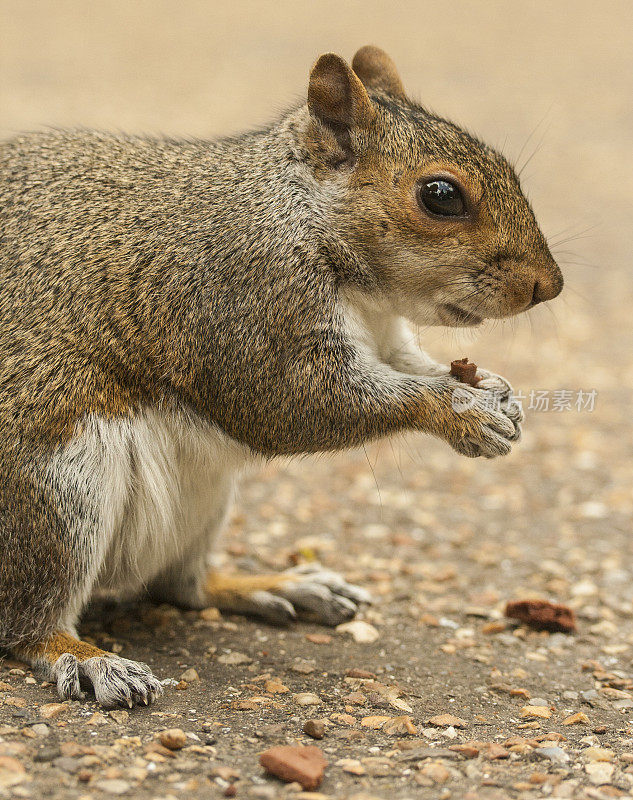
(450,699)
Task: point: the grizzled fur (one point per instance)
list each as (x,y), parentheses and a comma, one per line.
(231,283)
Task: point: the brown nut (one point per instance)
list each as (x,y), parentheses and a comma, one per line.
(465,371)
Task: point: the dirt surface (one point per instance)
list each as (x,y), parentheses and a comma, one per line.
(441,541)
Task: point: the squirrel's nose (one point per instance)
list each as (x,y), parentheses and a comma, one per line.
(546,289)
(537,296)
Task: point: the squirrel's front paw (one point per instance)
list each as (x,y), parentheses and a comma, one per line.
(504,393)
(487,419)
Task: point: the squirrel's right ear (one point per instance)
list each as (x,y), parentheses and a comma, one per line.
(337,97)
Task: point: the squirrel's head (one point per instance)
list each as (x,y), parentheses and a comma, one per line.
(438,215)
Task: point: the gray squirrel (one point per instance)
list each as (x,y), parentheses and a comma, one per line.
(174,310)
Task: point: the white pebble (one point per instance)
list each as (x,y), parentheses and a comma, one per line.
(361,632)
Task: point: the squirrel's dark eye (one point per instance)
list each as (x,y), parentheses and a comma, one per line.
(442,198)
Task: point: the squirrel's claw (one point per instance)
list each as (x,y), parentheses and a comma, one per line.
(324,596)
(333,580)
(268,606)
(318,601)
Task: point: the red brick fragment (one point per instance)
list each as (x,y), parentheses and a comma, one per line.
(305,765)
(542,615)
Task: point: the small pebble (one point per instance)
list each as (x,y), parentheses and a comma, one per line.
(536,712)
(555,754)
(234,659)
(314,728)
(319,638)
(538,701)
(446,720)
(210,614)
(113,786)
(190,675)
(361,632)
(172,738)
(51,710)
(598,754)
(437,772)
(307,699)
(302,667)
(599,772)
(40,729)
(360,673)
(577,719)
(351,765)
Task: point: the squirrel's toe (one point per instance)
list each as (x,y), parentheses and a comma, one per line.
(120,682)
(66,669)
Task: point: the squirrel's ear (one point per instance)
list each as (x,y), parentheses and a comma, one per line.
(336,96)
(377,71)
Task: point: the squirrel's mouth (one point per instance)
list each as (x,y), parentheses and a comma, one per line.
(457,317)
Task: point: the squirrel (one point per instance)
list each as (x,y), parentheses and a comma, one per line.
(174,310)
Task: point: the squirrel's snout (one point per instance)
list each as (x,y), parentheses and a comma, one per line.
(523,285)
(547,286)
(545,290)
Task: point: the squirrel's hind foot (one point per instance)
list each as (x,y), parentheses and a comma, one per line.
(75,666)
(115,681)
(310,592)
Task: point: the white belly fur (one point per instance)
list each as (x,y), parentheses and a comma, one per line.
(161,483)
(180,485)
